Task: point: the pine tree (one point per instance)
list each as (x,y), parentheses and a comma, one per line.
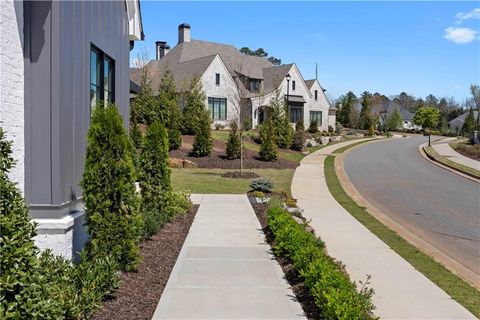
(345,113)
(282,130)
(169,111)
(145,105)
(299,126)
(203,143)
(366,119)
(154,179)
(194,107)
(469,124)
(112,204)
(268,149)
(394,120)
(233,144)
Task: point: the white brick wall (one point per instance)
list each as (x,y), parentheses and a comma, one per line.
(12,83)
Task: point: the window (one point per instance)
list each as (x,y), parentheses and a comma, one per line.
(217,79)
(254,85)
(293,85)
(295,114)
(102,73)
(316,95)
(316,116)
(217,108)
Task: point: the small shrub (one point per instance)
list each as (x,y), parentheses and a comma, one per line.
(258,194)
(268,148)
(298,141)
(203,143)
(219,126)
(313,128)
(233,144)
(180,203)
(264,185)
(299,126)
(371,130)
(247,125)
(330,129)
(291,203)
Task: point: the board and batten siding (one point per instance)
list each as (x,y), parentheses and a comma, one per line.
(57,110)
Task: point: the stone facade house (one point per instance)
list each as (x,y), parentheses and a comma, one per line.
(237,86)
(58,58)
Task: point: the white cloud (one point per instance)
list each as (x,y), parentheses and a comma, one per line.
(473,14)
(460,35)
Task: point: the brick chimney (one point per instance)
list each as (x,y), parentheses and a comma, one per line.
(162,49)
(184,33)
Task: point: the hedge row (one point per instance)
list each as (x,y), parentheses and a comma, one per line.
(335,295)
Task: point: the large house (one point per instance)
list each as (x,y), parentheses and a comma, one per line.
(378,110)
(456,124)
(58,58)
(238,86)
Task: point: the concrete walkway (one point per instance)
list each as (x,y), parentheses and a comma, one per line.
(401,292)
(225,269)
(446,151)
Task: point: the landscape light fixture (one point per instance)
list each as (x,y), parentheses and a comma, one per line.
(288,77)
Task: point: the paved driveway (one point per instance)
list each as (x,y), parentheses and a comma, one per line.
(439,206)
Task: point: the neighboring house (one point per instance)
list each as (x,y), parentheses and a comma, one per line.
(233,81)
(58,58)
(457,123)
(378,111)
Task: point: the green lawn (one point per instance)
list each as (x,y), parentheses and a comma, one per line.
(453,285)
(200,180)
(452,164)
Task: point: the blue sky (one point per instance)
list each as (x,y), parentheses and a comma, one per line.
(386,47)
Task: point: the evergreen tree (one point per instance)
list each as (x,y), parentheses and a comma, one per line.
(169,111)
(154,179)
(268,148)
(283,131)
(299,126)
(394,120)
(233,144)
(313,128)
(144,107)
(366,119)
(194,107)
(24,291)
(202,144)
(112,205)
(469,124)
(136,135)
(345,113)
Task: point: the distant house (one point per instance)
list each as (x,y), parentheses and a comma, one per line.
(59,58)
(234,81)
(457,123)
(379,108)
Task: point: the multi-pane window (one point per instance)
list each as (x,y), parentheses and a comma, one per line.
(254,85)
(295,114)
(217,108)
(102,74)
(217,79)
(316,95)
(293,85)
(316,116)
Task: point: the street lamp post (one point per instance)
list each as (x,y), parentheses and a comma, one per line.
(384,118)
(288,77)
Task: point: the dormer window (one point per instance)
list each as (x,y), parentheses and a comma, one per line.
(254,85)
(217,79)
(293,85)
(316,95)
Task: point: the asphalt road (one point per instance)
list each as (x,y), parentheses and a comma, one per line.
(437,205)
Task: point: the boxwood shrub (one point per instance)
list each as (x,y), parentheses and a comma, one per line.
(336,296)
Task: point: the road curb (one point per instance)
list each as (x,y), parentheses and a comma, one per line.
(433,160)
(440,257)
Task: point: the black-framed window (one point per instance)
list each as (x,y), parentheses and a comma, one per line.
(316,95)
(254,85)
(217,79)
(316,116)
(295,114)
(293,85)
(102,77)
(217,108)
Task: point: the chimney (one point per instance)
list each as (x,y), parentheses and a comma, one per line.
(184,33)
(162,49)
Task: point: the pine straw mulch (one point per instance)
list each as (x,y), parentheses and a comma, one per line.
(218,157)
(140,291)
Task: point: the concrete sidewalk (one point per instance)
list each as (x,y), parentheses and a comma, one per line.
(401,292)
(446,151)
(225,269)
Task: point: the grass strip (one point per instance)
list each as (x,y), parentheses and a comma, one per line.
(459,290)
(434,155)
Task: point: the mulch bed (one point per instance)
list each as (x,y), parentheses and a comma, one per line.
(139,292)
(468,154)
(296,282)
(240,175)
(218,157)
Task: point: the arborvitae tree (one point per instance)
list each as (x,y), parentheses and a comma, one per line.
(145,106)
(25,293)
(112,204)
(394,120)
(169,111)
(299,126)
(268,148)
(155,179)
(136,135)
(298,141)
(469,124)
(366,119)
(313,128)
(233,144)
(203,143)
(194,107)
(283,131)
(345,113)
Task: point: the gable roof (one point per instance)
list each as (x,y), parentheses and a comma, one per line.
(386,104)
(274,76)
(460,120)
